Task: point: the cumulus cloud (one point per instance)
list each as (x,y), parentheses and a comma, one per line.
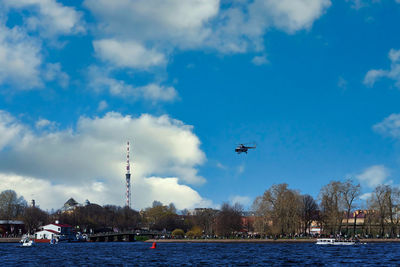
(48,195)
(49,17)
(88,162)
(180,22)
(290,15)
(20,58)
(393,73)
(127,54)
(374,175)
(192,24)
(99,81)
(390,126)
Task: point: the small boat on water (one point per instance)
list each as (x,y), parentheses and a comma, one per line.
(333,241)
(27,242)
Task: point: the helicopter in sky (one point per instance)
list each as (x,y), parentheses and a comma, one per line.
(242,148)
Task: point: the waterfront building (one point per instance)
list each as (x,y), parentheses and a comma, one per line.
(54,231)
(11,228)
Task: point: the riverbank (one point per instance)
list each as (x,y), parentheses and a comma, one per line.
(10,239)
(311,240)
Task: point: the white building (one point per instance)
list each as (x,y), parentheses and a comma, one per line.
(53,231)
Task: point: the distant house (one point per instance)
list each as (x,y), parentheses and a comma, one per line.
(315,228)
(248,218)
(357,216)
(53,231)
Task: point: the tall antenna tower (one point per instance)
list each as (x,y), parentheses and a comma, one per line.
(128,178)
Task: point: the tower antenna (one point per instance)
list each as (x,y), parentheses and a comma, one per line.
(128,178)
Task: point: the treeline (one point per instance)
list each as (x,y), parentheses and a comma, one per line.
(279,212)
(93,218)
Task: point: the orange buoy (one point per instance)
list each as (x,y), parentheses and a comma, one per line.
(154,245)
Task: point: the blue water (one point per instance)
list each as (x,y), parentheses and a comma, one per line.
(195,254)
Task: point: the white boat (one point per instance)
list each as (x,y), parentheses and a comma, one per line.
(27,242)
(333,241)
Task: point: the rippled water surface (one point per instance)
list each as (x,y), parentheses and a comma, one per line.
(189,254)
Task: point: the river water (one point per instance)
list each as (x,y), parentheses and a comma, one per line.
(199,254)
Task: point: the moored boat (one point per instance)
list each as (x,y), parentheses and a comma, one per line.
(333,241)
(27,242)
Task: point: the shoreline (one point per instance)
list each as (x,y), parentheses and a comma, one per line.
(10,239)
(312,240)
(270,241)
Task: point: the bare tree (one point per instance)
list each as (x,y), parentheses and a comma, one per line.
(388,201)
(309,211)
(349,192)
(11,206)
(280,208)
(263,215)
(229,219)
(331,209)
(205,219)
(377,202)
(34,217)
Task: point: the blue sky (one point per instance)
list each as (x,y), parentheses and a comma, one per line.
(315,83)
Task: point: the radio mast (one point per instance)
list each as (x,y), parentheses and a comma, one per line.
(128,178)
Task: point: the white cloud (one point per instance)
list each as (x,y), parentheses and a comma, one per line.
(128,54)
(99,81)
(358,4)
(366,196)
(221,166)
(10,130)
(144,191)
(390,126)
(53,72)
(260,60)
(158,93)
(243,200)
(52,17)
(193,24)
(20,58)
(393,73)
(90,160)
(290,15)
(183,23)
(374,175)
(43,123)
(102,105)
